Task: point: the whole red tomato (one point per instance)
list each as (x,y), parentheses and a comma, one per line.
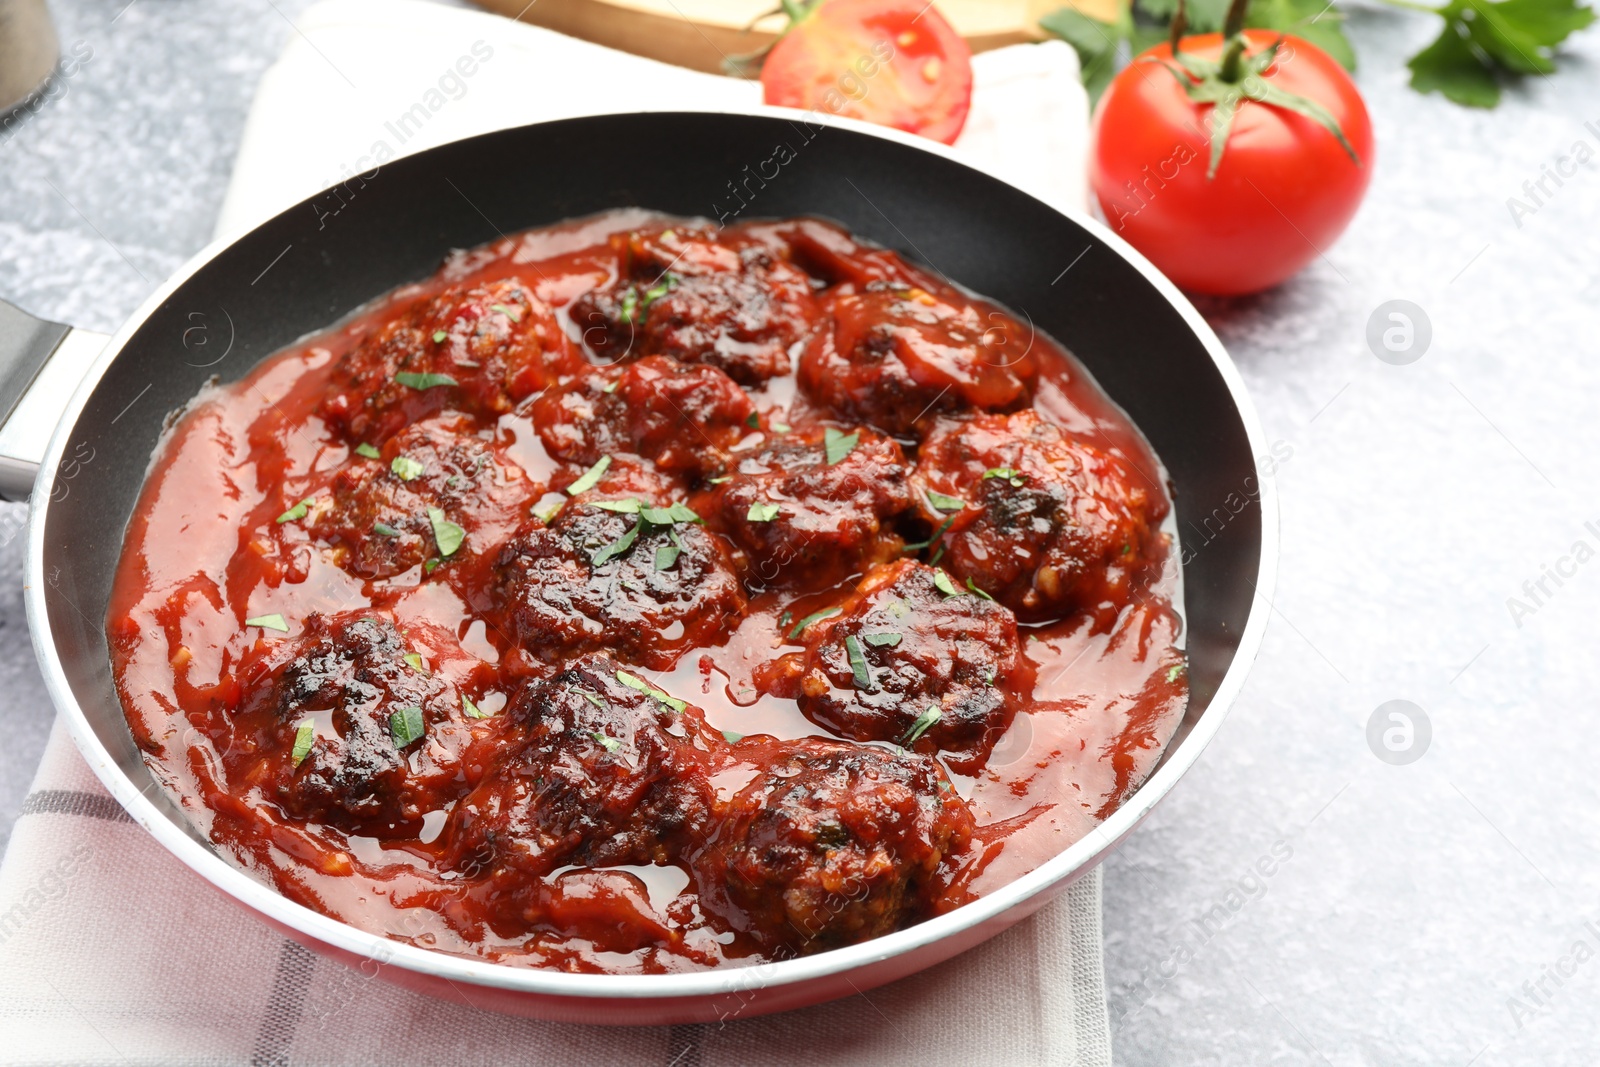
(1285,187)
(894,62)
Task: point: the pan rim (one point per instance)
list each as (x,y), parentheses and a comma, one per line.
(1055,873)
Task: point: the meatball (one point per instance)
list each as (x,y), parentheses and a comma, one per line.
(899,353)
(595,767)
(698,298)
(1052,525)
(359,725)
(685,417)
(475,348)
(806,521)
(600,578)
(831,844)
(908,661)
(380,519)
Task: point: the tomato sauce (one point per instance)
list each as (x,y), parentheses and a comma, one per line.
(503,618)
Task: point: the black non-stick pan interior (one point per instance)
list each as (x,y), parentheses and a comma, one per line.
(316,262)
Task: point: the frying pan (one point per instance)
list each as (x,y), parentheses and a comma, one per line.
(308,267)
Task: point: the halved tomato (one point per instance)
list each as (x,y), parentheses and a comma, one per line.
(893,62)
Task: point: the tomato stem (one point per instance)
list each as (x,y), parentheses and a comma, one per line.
(1233,31)
(1180,23)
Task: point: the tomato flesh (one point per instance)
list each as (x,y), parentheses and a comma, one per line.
(890,62)
(1283,193)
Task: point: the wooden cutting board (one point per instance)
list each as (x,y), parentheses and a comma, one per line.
(700,33)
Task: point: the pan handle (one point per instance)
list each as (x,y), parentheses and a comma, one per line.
(41,364)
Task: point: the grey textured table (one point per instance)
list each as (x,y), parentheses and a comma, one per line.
(1297,900)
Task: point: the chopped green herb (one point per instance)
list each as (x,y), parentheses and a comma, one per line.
(1176,671)
(414,659)
(761,511)
(941,502)
(889,640)
(630,304)
(405,726)
(753,420)
(719,480)
(858,664)
(633,681)
(781,427)
(439,336)
(405,468)
(920,727)
(274,621)
(731,737)
(1126,549)
(629,506)
(899,608)
(610,744)
(305,735)
(432,565)
(383,529)
(601,556)
(509,312)
(656,292)
(423,381)
(298,511)
(610,387)
(471,710)
(786,618)
(975,589)
(367,450)
(667,555)
(446,534)
(591,477)
(668,516)
(592,697)
(838,445)
(1010,474)
(945,585)
(549,513)
(809,619)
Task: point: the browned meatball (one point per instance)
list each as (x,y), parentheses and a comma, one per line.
(497,341)
(593,768)
(831,844)
(700,298)
(379,518)
(593,579)
(908,661)
(1052,525)
(900,353)
(805,521)
(683,416)
(349,731)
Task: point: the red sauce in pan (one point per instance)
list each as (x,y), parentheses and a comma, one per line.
(634,596)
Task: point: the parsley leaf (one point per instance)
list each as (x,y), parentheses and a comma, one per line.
(731,737)
(446,534)
(590,477)
(508,311)
(1176,671)
(753,420)
(423,381)
(405,468)
(633,681)
(610,744)
(838,445)
(629,506)
(920,727)
(383,529)
(471,710)
(889,640)
(406,726)
(274,621)
(809,619)
(945,585)
(1010,474)
(367,450)
(297,512)
(858,664)
(305,735)
(414,661)
(975,589)
(601,556)
(941,502)
(439,336)
(761,511)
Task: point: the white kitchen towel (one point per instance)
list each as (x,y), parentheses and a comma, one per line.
(367,80)
(111,952)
